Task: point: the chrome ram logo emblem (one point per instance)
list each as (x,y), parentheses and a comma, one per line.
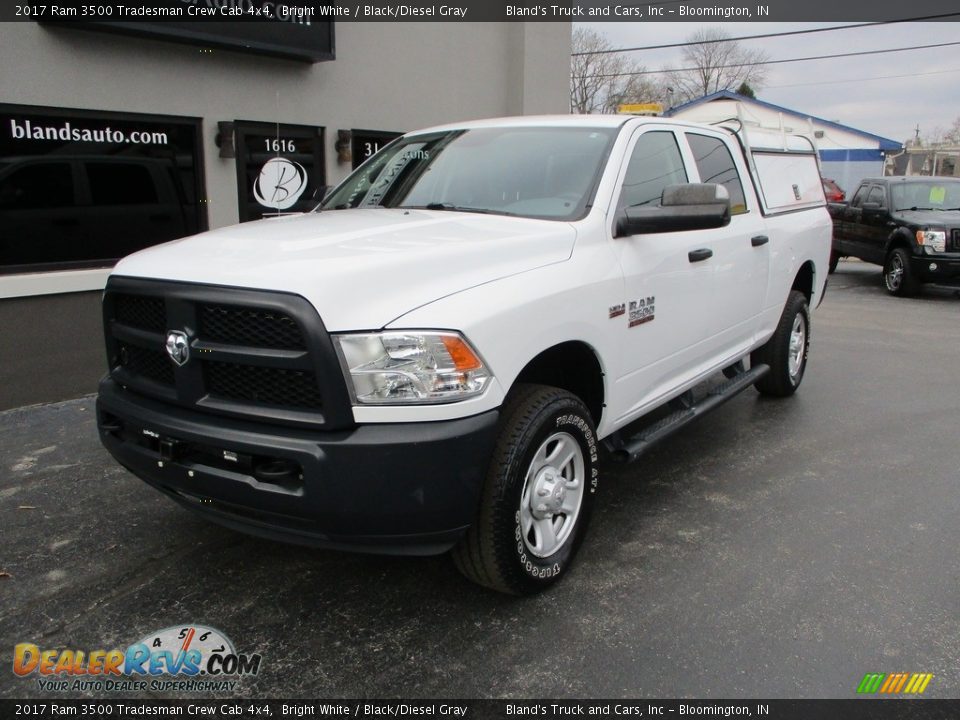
(178,347)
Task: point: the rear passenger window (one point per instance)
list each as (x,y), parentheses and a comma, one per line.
(654,164)
(715,164)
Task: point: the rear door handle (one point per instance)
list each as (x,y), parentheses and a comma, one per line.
(698,255)
(759,240)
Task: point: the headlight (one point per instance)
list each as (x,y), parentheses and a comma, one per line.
(933,240)
(397,368)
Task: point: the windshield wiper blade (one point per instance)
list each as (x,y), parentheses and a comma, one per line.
(453,208)
(450,207)
(915,208)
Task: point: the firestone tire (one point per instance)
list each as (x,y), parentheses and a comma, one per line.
(538,494)
(786,351)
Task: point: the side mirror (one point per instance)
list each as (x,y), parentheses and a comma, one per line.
(692,206)
(871,206)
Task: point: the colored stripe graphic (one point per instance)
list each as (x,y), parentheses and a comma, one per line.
(894,683)
(871,682)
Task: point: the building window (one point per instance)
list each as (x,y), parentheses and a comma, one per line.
(81,189)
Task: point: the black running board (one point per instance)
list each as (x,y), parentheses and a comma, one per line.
(631,448)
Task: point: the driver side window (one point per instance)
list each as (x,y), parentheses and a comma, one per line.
(876,196)
(858,197)
(654,164)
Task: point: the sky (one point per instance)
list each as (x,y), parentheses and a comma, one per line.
(925,91)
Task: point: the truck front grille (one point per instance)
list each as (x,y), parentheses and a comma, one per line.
(953,243)
(273,386)
(248,326)
(149,364)
(140,311)
(252,354)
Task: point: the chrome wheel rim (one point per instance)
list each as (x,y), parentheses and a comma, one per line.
(895,273)
(798,343)
(552,495)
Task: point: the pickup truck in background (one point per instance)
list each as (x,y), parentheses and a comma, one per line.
(435,357)
(909,225)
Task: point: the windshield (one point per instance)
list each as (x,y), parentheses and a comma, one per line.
(535,172)
(935,195)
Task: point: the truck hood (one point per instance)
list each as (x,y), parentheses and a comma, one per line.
(949,218)
(360,269)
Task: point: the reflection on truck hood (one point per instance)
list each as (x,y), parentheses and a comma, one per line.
(360,268)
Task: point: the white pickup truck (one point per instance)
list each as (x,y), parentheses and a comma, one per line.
(436,356)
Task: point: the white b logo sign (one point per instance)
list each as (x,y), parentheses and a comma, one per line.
(280,183)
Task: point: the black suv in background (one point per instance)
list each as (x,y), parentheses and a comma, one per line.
(909,225)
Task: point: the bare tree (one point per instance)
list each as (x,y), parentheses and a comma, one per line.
(715,63)
(601,81)
(952,134)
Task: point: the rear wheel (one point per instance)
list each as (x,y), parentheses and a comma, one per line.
(537,496)
(786,351)
(897,275)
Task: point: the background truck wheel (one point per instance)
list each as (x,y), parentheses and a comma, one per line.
(834,261)
(897,275)
(786,351)
(538,493)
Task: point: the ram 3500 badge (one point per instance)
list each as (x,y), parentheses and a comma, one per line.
(432,359)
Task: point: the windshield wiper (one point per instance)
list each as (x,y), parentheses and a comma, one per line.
(916,208)
(453,208)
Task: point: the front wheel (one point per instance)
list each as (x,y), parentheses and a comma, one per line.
(897,275)
(786,351)
(537,496)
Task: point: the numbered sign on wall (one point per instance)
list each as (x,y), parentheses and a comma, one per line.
(280,169)
(366,143)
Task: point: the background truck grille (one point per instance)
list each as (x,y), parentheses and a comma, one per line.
(253,354)
(954,246)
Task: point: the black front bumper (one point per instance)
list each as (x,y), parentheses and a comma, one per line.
(409,488)
(947,270)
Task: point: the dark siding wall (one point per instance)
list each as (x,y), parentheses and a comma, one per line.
(51,348)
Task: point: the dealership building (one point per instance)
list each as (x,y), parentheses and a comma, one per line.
(117,136)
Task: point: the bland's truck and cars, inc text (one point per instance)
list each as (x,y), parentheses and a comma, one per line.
(435,358)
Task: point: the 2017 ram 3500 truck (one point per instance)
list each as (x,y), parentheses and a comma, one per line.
(909,225)
(432,359)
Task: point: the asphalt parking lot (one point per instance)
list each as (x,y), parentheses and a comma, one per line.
(775,549)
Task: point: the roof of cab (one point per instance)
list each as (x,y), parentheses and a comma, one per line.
(590,121)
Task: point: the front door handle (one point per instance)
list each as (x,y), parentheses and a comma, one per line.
(698,255)
(759,240)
